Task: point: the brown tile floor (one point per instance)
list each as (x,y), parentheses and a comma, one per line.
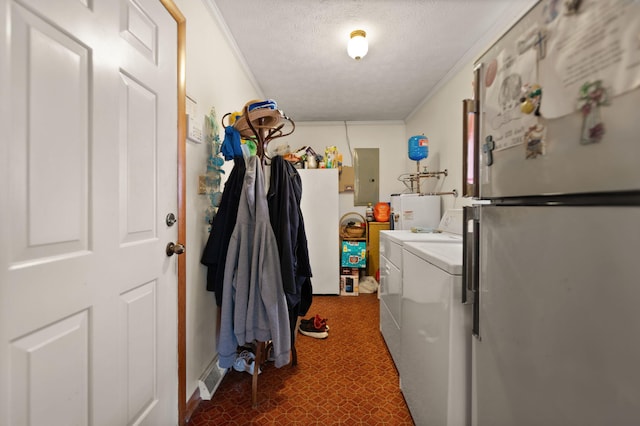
(346,379)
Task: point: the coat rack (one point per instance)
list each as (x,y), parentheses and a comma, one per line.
(262,125)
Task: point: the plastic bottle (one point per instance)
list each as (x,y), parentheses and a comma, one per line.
(369,213)
(381,212)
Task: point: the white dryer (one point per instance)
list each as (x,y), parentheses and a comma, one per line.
(435,360)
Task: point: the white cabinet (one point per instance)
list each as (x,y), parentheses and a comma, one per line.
(321,211)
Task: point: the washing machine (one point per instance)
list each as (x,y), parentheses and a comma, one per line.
(435,324)
(391,275)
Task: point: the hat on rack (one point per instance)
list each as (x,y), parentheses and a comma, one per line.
(261,114)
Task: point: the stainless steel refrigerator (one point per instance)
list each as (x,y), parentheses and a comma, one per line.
(552,244)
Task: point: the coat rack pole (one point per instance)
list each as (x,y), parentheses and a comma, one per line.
(256,371)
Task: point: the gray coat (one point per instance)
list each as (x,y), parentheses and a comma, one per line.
(253,301)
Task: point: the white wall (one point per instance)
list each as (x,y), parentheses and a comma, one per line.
(440,119)
(214,78)
(387,136)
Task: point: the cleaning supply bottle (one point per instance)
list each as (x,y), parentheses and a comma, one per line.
(369,213)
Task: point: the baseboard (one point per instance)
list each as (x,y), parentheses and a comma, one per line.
(192,404)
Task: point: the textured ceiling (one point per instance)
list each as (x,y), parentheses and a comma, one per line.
(295,50)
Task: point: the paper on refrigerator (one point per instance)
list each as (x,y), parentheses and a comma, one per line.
(600,42)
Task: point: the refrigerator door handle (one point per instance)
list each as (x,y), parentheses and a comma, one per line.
(471,244)
(467,261)
(471,264)
(475,328)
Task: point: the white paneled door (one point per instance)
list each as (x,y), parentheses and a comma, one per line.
(88,172)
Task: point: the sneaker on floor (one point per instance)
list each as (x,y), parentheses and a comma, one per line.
(245,361)
(317,322)
(312,328)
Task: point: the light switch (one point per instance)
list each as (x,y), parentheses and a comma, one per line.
(194,129)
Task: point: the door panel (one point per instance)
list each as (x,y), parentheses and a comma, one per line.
(138,160)
(138,350)
(139,30)
(48,172)
(63,345)
(88,308)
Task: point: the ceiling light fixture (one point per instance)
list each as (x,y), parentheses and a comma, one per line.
(358,46)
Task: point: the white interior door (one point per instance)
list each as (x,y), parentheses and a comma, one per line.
(88,164)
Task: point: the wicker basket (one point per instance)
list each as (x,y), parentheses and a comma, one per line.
(352,225)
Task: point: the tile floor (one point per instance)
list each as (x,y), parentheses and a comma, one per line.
(345,379)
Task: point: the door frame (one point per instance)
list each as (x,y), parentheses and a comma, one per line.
(181,22)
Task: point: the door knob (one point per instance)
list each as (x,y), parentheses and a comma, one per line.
(175,249)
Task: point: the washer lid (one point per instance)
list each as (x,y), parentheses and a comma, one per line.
(447,257)
(402,236)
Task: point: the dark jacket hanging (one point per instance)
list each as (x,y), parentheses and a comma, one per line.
(215,252)
(285,193)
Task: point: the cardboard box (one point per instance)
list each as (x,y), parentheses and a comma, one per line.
(349,285)
(346,179)
(354,254)
(349,271)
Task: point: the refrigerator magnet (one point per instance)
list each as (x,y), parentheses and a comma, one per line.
(534,141)
(488,147)
(530,99)
(593,95)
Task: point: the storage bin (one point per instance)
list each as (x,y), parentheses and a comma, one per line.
(354,254)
